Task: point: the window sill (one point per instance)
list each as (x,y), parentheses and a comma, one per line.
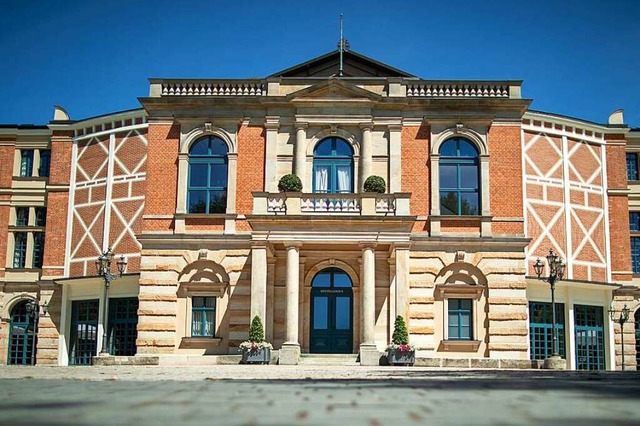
(23,269)
(460,345)
(471,290)
(205,216)
(200,342)
(460,217)
(28,178)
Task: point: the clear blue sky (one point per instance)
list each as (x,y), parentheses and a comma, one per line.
(578,58)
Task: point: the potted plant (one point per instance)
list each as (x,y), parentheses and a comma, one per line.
(290,183)
(375,184)
(400,352)
(256,350)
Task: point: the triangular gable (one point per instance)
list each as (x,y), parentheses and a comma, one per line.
(334,89)
(354,65)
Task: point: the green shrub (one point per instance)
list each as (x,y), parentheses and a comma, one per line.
(375,184)
(256,331)
(290,183)
(400,335)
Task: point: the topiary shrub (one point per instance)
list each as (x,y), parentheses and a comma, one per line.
(290,183)
(375,184)
(256,331)
(400,335)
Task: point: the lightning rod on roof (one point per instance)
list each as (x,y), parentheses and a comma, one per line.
(343,45)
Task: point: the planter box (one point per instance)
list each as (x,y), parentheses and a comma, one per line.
(256,356)
(401,358)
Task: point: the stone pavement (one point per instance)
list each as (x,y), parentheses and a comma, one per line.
(313,395)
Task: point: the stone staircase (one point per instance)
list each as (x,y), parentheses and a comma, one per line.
(329,359)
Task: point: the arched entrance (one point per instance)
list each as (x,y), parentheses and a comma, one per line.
(22,332)
(331,312)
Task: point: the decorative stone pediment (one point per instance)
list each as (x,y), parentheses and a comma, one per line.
(460,279)
(203,277)
(334,90)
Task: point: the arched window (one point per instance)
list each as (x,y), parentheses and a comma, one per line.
(459,177)
(207,187)
(333,166)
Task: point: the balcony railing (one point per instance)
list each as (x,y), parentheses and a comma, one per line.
(298,203)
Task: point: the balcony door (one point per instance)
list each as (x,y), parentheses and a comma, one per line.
(333,166)
(331,312)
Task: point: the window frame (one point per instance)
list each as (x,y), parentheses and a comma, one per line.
(333,162)
(459,161)
(20,251)
(632,175)
(37,251)
(22,216)
(209,160)
(26,170)
(204,309)
(460,312)
(44,165)
(634,243)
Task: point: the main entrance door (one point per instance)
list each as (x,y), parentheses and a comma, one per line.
(21,335)
(589,325)
(331,313)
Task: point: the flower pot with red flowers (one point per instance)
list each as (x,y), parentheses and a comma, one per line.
(256,350)
(400,352)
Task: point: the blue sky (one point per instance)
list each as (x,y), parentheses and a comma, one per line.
(578,58)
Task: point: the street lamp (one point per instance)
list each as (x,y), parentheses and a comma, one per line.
(623,318)
(33,310)
(556,272)
(103,268)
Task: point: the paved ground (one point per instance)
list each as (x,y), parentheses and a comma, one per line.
(313,395)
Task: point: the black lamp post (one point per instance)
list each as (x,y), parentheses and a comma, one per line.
(621,319)
(33,310)
(103,268)
(556,272)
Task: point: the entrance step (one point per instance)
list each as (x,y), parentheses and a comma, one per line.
(329,359)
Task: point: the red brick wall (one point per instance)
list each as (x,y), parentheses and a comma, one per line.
(162,174)
(618,210)
(415,169)
(57,205)
(505,174)
(251,163)
(7,154)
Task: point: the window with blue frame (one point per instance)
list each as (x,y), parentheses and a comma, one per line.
(541,330)
(19,249)
(333,166)
(460,322)
(208,165)
(22,216)
(459,178)
(45,163)
(38,249)
(203,316)
(41,216)
(634,228)
(632,166)
(26,162)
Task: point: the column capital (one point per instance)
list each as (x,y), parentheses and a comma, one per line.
(299,125)
(368,245)
(366,127)
(292,244)
(272,122)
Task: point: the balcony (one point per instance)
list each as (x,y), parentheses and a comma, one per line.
(322,204)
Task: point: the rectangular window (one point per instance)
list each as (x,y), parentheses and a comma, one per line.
(26,162)
(41,216)
(632,166)
(541,329)
(203,316)
(460,319)
(634,221)
(45,163)
(635,254)
(38,249)
(22,216)
(19,249)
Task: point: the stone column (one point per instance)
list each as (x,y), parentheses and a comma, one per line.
(290,351)
(368,351)
(366,154)
(300,148)
(259,281)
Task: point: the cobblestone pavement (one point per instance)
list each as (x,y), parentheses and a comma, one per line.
(313,395)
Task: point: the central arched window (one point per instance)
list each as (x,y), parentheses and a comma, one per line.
(459,177)
(207,188)
(333,166)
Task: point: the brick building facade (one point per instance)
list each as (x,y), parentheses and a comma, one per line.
(186,189)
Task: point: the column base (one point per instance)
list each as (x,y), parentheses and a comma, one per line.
(369,354)
(289,354)
(555,363)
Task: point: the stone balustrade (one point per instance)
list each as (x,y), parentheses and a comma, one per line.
(460,90)
(298,203)
(212,88)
